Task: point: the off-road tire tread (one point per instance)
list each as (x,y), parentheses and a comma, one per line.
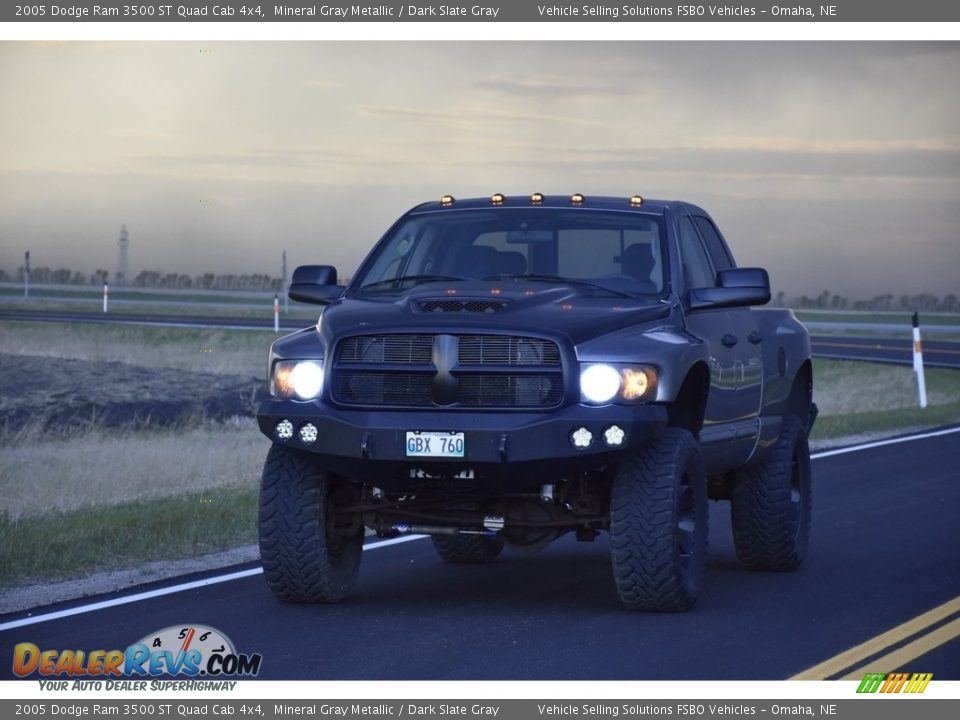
(293,546)
(760,506)
(467,549)
(647,574)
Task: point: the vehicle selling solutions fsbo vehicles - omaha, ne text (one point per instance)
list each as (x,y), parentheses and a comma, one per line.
(505,370)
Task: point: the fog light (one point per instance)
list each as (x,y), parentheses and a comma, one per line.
(581,437)
(284,430)
(614,435)
(308,433)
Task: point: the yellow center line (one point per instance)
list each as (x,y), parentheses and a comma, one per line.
(881,642)
(909,652)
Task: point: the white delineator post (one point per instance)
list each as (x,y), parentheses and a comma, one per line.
(918,361)
(106,292)
(276,313)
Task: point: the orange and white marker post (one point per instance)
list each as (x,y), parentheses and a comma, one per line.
(918,361)
(276,313)
(106,292)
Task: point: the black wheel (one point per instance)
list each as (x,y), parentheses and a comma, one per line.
(309,552)
(770,504)
(467,548)
(658,524)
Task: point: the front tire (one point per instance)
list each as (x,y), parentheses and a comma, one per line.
(310,553)
(770,504)
(658,524)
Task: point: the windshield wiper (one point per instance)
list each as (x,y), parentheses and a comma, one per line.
(558,279)
(397,281)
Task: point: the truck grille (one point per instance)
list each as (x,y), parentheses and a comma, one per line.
(467,371)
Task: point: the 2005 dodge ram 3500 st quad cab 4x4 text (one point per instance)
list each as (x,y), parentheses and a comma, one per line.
(506,370)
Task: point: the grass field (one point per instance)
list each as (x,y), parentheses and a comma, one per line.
(101,500)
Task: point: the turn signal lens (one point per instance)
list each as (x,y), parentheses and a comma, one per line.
(636,383)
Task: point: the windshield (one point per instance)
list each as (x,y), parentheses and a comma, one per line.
(615,251)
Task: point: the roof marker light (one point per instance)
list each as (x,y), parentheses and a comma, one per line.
(497,199)
(636,201)
(447,201)
(536,199)
(576,199)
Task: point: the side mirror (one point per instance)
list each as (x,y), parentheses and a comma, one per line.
(739,287)
(315,284)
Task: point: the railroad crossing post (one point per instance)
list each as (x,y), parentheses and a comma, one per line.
(106,292)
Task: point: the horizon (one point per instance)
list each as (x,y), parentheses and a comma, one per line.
(834,164)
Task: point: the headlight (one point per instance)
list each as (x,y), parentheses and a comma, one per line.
(297,378)
(601,383)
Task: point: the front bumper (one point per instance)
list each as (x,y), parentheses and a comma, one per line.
(520,448)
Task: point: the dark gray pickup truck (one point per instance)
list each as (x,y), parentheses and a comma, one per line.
(506,370)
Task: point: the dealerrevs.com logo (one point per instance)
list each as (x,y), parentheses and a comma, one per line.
(192,651)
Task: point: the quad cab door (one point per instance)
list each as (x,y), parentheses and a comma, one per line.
(731,420)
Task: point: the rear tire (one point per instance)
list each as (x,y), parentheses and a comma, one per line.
(770,504)
(467,549)
(658,524)
(309,553)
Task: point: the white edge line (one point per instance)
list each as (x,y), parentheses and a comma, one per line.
(370,546)
(881,443)
(160,592)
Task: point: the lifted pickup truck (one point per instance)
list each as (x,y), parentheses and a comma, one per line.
(505,370)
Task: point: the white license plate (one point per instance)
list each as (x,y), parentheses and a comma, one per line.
(435,444)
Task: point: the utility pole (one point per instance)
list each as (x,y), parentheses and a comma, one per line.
(121,275)
(286,295)
(26,275)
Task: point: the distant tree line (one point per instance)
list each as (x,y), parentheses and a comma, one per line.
(924,302)
(826,300)
(152,279)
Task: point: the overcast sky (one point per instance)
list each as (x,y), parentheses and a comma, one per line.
(836,165)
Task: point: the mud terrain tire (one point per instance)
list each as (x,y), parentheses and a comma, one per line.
(305,557)
(770,504)
(467,549)
(658,524)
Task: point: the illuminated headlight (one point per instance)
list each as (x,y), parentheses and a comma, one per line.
(308,433)
(284,429)
(297,378)
(599,383)
(581,437)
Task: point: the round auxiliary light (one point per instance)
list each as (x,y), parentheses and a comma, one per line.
(306,379)
(600,383)
(581,437)
(636,201)
(613,435)
(308,433)
(497,199)
(284,430)
(536,199)
(576,199)
(446,201)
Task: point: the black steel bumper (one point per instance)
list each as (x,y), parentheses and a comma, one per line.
(518,447)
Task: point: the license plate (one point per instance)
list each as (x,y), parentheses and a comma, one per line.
(435,444)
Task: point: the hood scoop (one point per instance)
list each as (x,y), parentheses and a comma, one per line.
(465,305)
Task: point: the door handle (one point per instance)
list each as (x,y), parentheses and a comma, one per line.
(755,337)
(729,340)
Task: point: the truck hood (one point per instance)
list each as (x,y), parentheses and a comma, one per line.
(578,313)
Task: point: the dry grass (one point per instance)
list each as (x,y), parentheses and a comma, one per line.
(842,387)
(44,475)
(227,352)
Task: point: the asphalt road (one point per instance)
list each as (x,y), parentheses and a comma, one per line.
(885,548)
(936,353)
